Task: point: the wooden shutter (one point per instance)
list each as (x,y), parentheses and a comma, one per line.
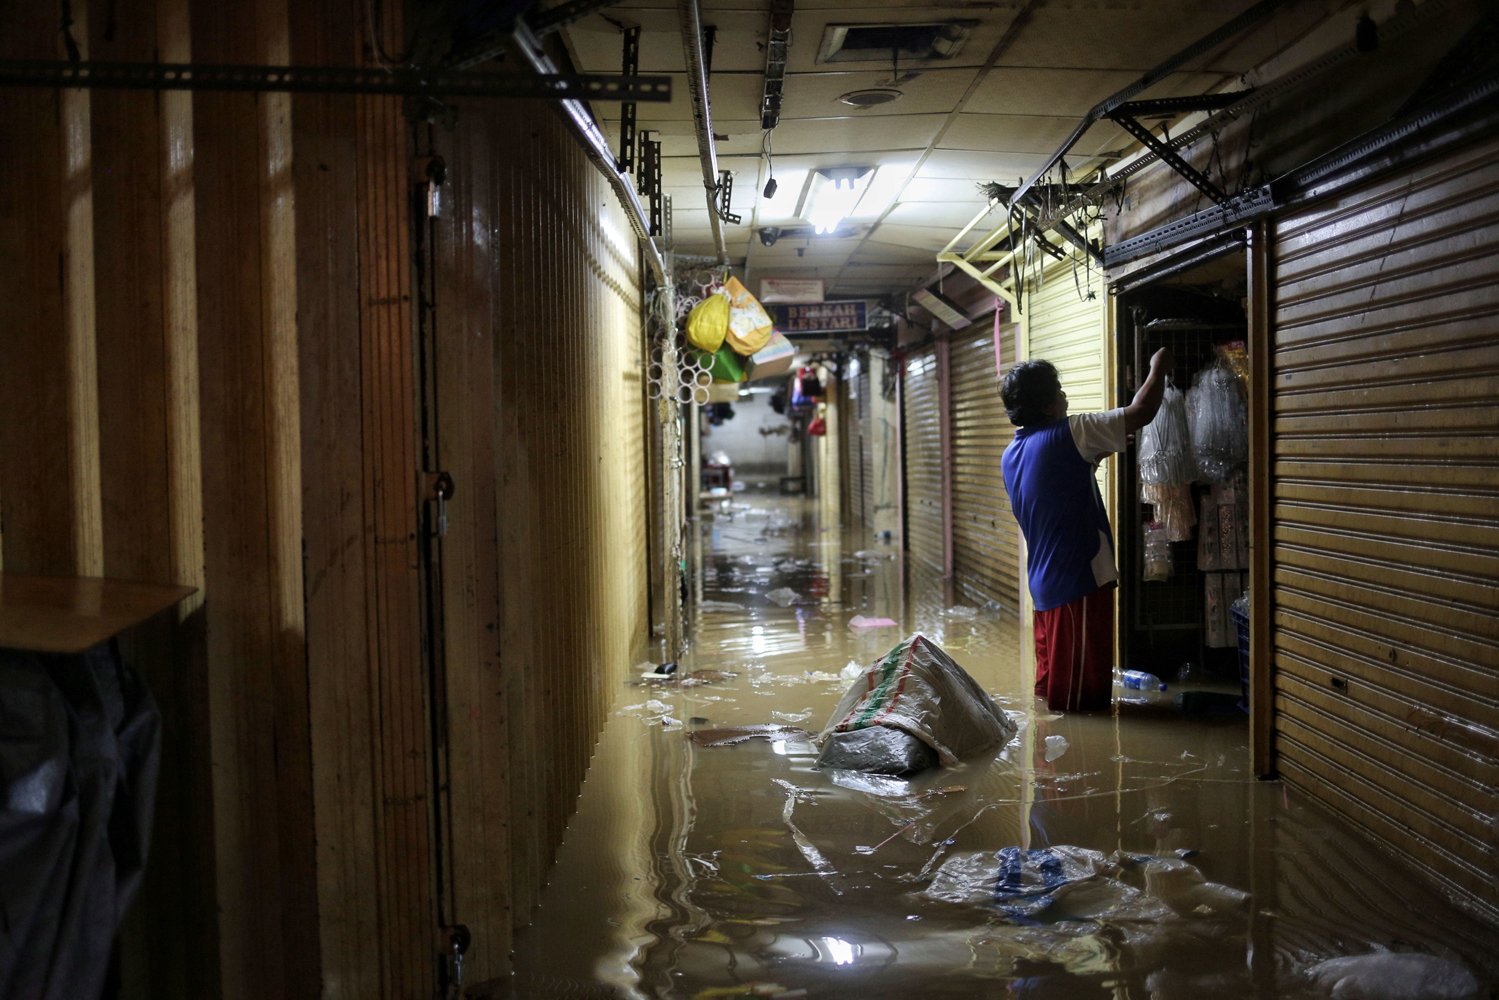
(1385,511)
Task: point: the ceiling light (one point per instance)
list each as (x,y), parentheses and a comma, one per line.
(833,195)
(871,97)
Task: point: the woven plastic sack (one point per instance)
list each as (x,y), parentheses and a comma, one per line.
(921,692)
(749,324)
(708,322)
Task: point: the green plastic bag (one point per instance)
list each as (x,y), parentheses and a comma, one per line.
(725,365)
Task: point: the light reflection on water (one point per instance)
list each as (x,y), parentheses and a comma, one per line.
(739,870)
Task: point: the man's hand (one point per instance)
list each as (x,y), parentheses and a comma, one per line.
(1141,409)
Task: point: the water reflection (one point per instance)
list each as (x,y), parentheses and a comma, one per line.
(708,859)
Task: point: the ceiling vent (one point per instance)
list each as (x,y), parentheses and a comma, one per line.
(870,98)
(909,43)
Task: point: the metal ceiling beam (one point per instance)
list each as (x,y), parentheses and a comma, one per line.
(330,80)
(1235,27)
(777,46)
(690,17)
(564,14)
(1168,156)
(596,145)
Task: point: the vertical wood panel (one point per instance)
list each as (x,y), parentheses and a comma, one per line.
(258,693)
(336,505)
(1384,490)
(150,484)
(38,504)
(477,732)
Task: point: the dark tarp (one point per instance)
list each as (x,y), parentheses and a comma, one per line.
(80,741)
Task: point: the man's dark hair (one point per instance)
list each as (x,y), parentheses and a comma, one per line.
(1028,391)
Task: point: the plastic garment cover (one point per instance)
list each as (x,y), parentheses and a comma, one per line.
(80,740)
(1165,450)
(1219,423)
(918,691)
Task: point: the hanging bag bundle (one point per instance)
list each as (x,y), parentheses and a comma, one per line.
(749,324)
(708,322)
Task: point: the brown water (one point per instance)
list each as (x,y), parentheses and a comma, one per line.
(728,866)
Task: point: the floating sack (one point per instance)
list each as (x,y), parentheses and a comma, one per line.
(749,324)
(932,710)
(1390,975)
(773,359)
(708,322)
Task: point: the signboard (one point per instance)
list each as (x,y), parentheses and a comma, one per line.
(791,290)
(849,316)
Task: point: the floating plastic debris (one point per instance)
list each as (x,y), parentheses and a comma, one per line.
(784,596)
(962,612)
(1055,747)
(729,736)
(1065,882)
(801,716)
(699,677)
(1388,975)
(859,621)
(851,670)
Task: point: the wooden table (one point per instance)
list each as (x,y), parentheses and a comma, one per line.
(71,614)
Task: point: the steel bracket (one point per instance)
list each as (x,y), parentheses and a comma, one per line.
(331,80)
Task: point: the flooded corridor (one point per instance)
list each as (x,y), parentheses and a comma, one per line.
(1127,854)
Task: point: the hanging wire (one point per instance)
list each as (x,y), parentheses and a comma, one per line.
(374,18)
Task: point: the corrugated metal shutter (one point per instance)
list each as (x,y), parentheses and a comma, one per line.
(1384,400)
(853,438)
(867,443)
(1068,328)
(986,539)
(923,460)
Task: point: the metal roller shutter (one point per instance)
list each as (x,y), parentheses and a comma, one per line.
(866,437)
(1071,330)
(986,539)
(923,419)
(1385,490)
(854,418)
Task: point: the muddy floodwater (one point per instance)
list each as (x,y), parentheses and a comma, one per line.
(1122,854)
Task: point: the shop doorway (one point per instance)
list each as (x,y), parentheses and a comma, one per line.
(1183,529)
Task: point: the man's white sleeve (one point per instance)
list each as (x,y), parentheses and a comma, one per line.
(1099,434)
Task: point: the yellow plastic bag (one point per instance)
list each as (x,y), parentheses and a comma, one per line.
(749,324)
(708,322)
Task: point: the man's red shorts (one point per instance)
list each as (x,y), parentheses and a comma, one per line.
(1075,653)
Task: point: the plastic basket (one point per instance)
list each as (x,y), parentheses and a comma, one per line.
(1241,626)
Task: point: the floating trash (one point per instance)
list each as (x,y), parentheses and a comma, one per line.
(1389,975)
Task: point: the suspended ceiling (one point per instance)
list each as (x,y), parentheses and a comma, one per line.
(996,110)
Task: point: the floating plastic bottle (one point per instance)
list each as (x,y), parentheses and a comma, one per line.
(1139,680)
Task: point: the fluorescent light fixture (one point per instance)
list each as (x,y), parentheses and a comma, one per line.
(833,194)
(782,206)
(941,308)
(883,189)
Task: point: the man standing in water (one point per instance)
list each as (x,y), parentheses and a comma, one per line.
(1049,473)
